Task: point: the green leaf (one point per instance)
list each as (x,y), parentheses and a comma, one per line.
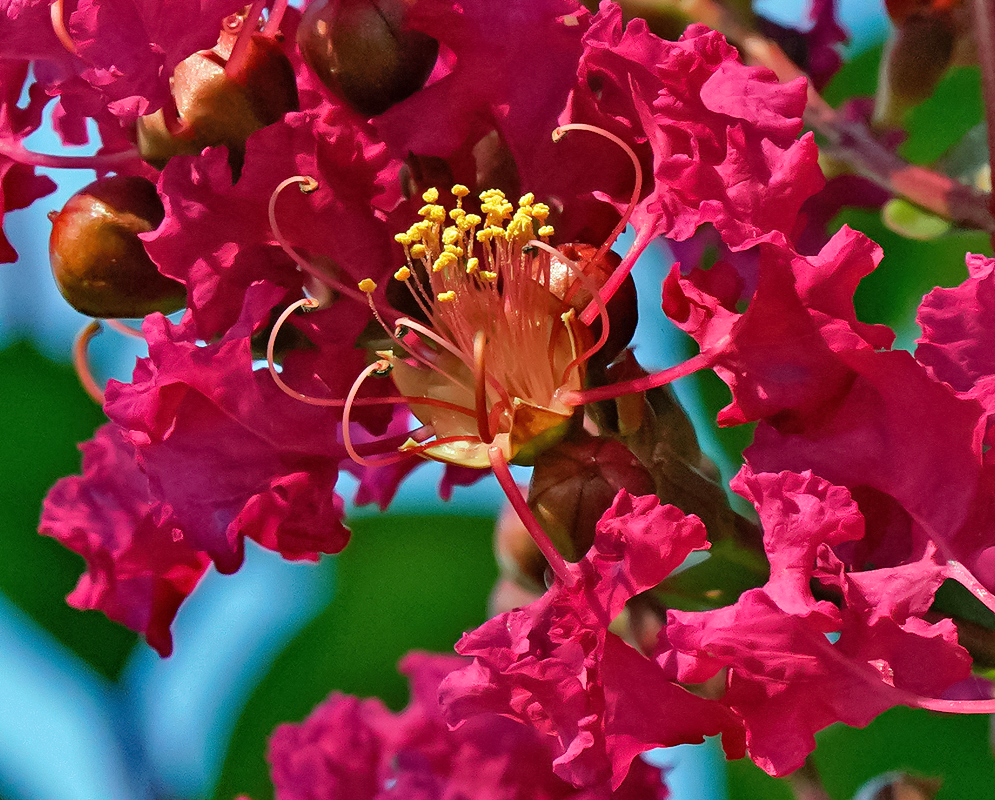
(45,415)
(403,583)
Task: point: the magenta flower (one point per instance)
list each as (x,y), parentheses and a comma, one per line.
(784,677)
(140,565)
(360,750)
(555,666)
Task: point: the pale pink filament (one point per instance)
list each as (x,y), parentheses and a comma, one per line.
(615,280)
(81,361)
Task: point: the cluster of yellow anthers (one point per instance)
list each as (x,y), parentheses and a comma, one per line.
(449,249)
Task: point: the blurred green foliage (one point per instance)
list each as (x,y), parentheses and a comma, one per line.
(45,414)
(403,583)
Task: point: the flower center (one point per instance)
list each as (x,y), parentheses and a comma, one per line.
(498,340)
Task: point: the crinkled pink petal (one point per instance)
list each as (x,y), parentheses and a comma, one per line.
(216,237)
(138,569)
(226,452)
(715,157)
(554,666)
(358,749)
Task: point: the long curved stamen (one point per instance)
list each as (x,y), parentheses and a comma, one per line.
(81,361)
(560,568)
(275,18)
(59,26)
(123,329)
(428,333)
(615,280)
(308,185)
(17,152)
(581,397)
(585,281)
(332,402)
(636,189)
(480,387)
(241,49)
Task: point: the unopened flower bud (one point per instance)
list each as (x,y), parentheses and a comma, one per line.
(216,108)
(575,482)
(363,51)
(99,263)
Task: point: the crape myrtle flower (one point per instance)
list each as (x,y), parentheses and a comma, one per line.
(359,749)
(706,158)
(793,664)
(555,665)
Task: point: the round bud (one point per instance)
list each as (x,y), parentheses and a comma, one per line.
(99,263)
(363,52)
(575,482)
(220,109)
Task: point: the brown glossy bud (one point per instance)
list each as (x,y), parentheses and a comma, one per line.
(219,109)
(575,482)
(623,313)
(99,263)
(362,51)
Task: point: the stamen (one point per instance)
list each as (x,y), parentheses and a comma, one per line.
(332,402)
(308,185)
(59,26)
(81,361)
(615,280)
(565,572)
(126,330)
(588,283)
(240,51)
(480,387)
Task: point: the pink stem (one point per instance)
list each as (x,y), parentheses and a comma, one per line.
(563,571)
(17,152)
(644,235)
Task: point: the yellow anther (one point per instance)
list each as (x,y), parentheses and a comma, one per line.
(487,275)
(402,274)
(457,213)
(546,230)
(444,260)
(472,220)
(526,200)
(485,235)
(367,285)
(430,195)
(418,251)
(414,233)
(446,297)
(434,213)
(540,211)
(402,238)
(459,190)
(451,235)
(472,265)
(453,250)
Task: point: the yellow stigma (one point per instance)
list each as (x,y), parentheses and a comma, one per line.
(367,285)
